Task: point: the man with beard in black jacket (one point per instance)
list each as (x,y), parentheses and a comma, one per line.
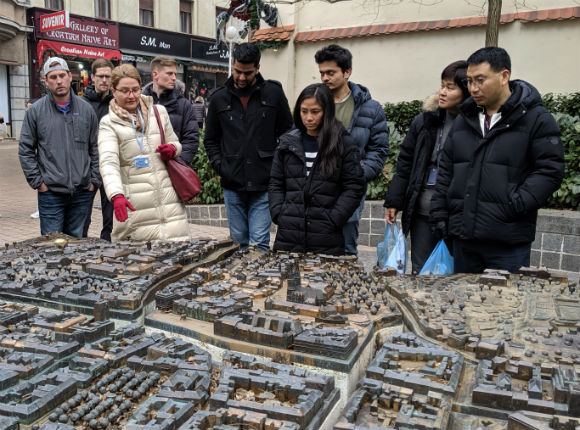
(99,96)
(502,161)
(165,91)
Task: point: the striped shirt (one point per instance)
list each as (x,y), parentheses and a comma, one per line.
(310,150)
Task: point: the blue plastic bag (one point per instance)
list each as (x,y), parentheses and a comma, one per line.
(385,247)
(440,262)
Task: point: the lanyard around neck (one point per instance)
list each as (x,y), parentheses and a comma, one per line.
(139,140)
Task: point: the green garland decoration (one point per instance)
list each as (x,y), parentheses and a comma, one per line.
(273,45)
(254,15)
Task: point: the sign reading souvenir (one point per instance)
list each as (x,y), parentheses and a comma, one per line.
(83,31)
(54,21)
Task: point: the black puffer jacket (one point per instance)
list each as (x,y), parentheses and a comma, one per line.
(101,106)
(412,164)
(182,119)
(311,210)
(490,188)
(240,143)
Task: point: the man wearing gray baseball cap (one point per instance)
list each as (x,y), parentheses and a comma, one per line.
(58,152)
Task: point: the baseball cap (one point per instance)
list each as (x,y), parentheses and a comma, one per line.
(50,65)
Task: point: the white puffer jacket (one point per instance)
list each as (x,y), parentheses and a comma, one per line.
(159,214)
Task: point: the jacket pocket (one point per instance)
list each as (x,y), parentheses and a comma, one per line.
(81,129)
(231,171)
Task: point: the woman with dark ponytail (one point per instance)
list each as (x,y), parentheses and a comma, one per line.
(317,180)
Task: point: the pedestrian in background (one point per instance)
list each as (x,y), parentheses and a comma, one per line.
(132,161)
(167,91)
(199,111)
(363,117)
(317,180)
(414,182)
(58,152)
(244,121)
(502,161)
(99,96)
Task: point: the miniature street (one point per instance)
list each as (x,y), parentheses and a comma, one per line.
(197,335)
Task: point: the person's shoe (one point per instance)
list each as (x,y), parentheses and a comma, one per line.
(35,215)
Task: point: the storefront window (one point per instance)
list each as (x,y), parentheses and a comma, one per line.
(185,16)
(102,9)
(146,13)
(54,4)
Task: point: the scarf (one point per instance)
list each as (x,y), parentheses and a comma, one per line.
(125,115)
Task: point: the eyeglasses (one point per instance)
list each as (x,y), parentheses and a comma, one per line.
(127,91)
(103,76)
(477,82)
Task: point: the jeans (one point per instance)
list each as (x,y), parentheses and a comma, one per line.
(350,230)
(64,213)
(107,212)
(248,218)
(474,256)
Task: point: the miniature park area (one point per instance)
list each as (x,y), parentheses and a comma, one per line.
(201,336)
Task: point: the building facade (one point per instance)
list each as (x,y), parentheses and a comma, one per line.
(400,48)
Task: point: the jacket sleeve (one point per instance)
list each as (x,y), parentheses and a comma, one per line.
(284,119)
(27,150)
(439,210)
(170,136)
(189,132)
(96,179)
(213,136)
(400,182)
(276,187)
(377,148)
(109,162)
(352,184)
(547,172)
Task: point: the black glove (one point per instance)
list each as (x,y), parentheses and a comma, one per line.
(439,230)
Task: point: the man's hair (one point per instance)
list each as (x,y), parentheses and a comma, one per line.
(101,62)
(497,58)
(124,71)
(247,53)
(162,61)
(341,56)
(457,71)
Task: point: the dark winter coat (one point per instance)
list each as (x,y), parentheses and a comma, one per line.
(199,111)
(412,164)
(60,150)
(100,105)
(182,119)
(311,210)
(490,187)
(240,143)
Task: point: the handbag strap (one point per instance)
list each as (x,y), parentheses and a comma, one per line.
(159,124)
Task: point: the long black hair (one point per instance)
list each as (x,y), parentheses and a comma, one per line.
(330,145)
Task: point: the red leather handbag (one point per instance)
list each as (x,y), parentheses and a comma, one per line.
(183,178)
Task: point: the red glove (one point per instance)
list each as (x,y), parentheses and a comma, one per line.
(166,151)
(120,205)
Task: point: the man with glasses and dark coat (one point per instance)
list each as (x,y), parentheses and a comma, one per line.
(502,161)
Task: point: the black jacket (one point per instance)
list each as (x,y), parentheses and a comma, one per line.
(311,210)
(490,188)
(182,119)
(101,106)
(412,164)
(240,143)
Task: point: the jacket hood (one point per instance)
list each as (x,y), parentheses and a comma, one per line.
(291,136)
(173,94)
(360,93)
(431,103)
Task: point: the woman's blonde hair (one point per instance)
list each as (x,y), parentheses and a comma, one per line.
(124,71)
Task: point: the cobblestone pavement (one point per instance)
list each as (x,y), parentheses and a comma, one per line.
(18,201)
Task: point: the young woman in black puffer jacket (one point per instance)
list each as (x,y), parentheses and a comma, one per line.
(317,179)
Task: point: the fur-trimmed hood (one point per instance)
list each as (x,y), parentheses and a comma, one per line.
(431,103)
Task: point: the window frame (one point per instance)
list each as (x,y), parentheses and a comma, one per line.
(48,4)
(98,9)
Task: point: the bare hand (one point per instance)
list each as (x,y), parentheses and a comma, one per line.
(43,188)
(391,215)
(92,188)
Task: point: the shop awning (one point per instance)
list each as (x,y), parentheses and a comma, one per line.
(206,66)
(71,50)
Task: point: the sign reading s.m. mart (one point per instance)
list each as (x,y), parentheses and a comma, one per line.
(150,40)
(82,31)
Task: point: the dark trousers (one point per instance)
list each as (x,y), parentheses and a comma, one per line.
(107,212)
(474,256)
(422,242)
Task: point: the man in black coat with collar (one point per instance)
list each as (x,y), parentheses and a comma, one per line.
(165,90)
(99,96)
(244,121)
(502,161)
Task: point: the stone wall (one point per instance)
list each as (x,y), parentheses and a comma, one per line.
(557,244)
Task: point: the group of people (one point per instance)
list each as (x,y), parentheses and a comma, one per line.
(474,167)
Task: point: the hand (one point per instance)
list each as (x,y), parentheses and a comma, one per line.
(120,205)
(166,151)
(391,215)
(92,188)
(439,230)
(42,188)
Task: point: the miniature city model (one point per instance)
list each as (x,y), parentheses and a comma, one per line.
(276,341)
